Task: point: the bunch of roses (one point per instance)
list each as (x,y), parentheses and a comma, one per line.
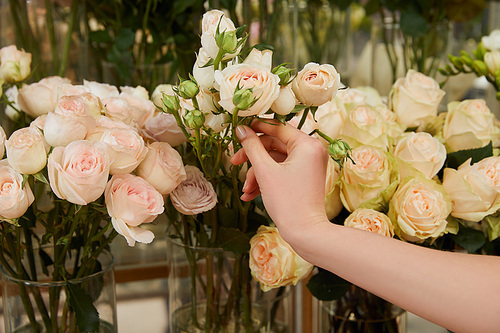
(90,141)
(393,185)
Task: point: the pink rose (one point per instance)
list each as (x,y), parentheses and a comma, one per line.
(273,262)
(195,194)
(131,201)
(162,167)
(128,146)
(79,172)
(39,98)
(163,127)
(14,197)
(27,150)
(370,220)
(70,121)
(117,108)
(142,108)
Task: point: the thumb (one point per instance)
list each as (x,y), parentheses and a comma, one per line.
(253,147)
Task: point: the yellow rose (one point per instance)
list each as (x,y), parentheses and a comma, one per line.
(273,262)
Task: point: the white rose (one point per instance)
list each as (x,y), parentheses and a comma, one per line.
(286,101)
(420,151)
(265,87)
(101,90)
(316,84)
(204,76)
(163,127)
(157,95)
(492,61)
(492,41)
(415,97)
(212,20)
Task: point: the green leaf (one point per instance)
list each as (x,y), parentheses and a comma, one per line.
(125,39)
(455,159)
(493,223)
(470,239)
(412,23)
(326,286)
(100,36)
(87,317)
(233,240)
(40,177)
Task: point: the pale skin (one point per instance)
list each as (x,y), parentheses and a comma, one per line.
(454,290)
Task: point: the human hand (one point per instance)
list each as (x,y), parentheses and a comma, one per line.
(288,170)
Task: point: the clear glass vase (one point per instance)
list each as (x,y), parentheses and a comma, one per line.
(211,290)
(41,305)
(359,311)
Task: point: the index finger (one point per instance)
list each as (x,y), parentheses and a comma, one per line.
(285,133)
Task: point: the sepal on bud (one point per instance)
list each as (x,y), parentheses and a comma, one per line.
(187,89)
(243,98)
(284,73)
(194,119)
(171,103)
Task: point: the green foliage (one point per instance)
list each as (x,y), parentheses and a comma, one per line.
(87,317)
(470,239)
(455,159)
(326,286)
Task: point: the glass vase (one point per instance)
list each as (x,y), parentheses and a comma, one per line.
(211,290)
(359,311)
(54,32)
(41,305)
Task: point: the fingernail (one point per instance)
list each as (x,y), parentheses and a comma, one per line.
(244,186)
(241,132)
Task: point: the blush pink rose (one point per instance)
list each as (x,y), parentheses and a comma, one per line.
(79,172)
(14,197)
(142,108)
(273,262)
(162,167)
(132,201)
(195,194)
(163,127)
(70,121)
(39,98)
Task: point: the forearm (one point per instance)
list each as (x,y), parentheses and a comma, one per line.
(454,290)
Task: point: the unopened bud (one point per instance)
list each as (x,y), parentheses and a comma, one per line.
(243,99)
(480,51)
(339,150)
(284,73)
(194,119)
(188,89)
(466,58)
(171,103)
(227,41)
(479,67)
(457,62)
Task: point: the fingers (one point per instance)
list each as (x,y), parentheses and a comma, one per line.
(285,133)
(251,188)
(253,148)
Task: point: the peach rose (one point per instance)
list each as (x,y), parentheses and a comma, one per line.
(27,150)
(79,172)
(14,197)
(316,84)
(370,220)
(415,97)
(39,98)
(273,262)
(420,151)
(14,64)
(128,146)
(330,117)
(474,189)
(163,167)
(132,201)
(117,108)
(469,124)
(195,194)
(265,87)
(70,121)
(370,174)
(364,125)
(419,209)
(101,90)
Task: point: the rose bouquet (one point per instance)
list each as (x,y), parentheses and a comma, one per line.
(414,174)
(82,165)
(231,86)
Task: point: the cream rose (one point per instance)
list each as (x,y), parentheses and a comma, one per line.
(101,90)
(370,220)
(132,201)
(469,124)
(333,203)
(204,75)
(364,125)
(330,118)
(420,151)
(286,101)
(195,194)
(79,172)
(14,64)
(414,98)
(14,197)
(39,98)
(163,167)
(70,121)
(27,150)
(419,208)
(211,21)
(370,174)
(316,84)
(265,87)
(474,189)
(128,146)
(273,262)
